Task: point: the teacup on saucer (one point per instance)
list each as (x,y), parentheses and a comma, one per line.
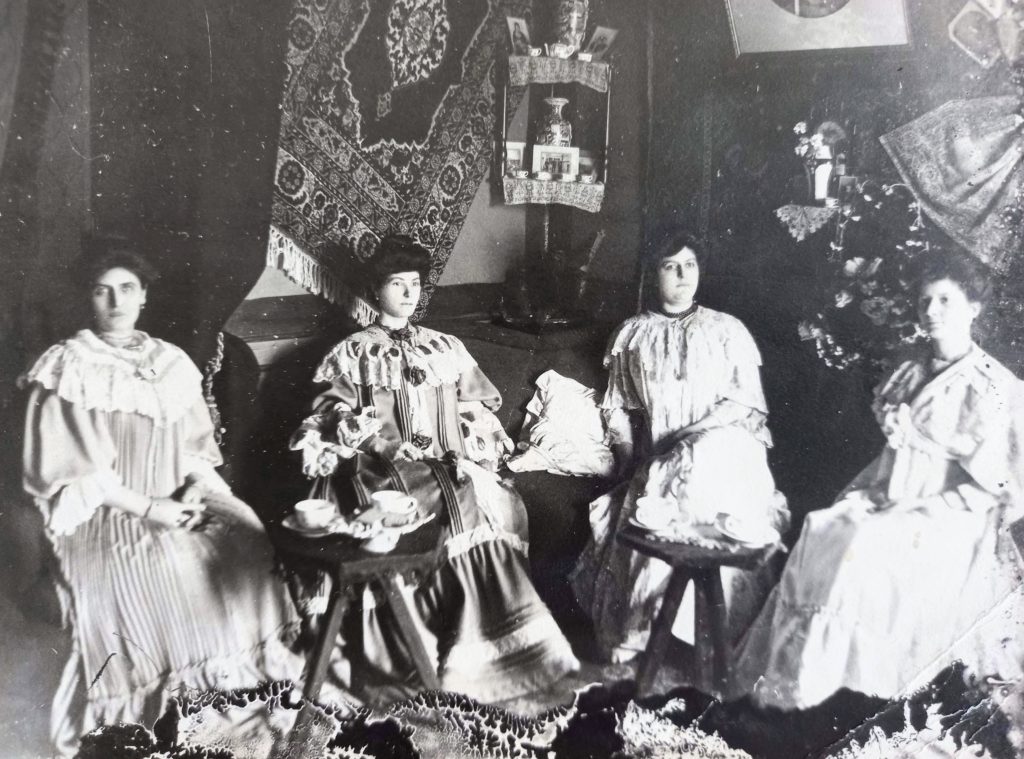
(314,513)
(397,508)
(658,513)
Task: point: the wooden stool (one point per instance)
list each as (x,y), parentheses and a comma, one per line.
(702,566)
(347,564)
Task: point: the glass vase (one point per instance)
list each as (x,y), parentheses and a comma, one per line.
(571,22)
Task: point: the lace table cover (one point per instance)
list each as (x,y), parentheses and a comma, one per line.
(523,70)
(586,197)
(803,221)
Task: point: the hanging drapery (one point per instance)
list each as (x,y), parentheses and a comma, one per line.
(965,163)
(387,125)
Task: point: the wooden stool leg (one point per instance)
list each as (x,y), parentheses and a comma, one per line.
(703,635)
(710,622)
(403,617)
(325,640)
(661,630)
(719,633)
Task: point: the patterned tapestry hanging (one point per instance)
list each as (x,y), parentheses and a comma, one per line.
(387,126)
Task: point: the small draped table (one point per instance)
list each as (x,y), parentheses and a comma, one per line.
(701,564)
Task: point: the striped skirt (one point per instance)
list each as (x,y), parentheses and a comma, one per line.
(153,609)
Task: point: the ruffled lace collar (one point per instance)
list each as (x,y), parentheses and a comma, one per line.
(154,379)
(374,358)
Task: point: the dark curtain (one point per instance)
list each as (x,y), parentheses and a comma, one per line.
(184,98)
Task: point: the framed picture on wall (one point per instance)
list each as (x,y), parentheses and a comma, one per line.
(515,155)
(556,160)
(774,26)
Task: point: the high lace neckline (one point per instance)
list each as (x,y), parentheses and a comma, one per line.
(399,335)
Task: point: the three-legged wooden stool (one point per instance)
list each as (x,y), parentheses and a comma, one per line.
(702,566)
(348,565)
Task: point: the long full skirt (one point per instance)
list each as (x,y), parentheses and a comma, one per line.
(154,609)
(880,603)
(622,590)
(489,633)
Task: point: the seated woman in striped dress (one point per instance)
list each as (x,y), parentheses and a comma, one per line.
(391,414)
(160,589)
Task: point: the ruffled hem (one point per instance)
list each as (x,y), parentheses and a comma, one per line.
(373,359)
(268,661)
(992,646)
(158,381)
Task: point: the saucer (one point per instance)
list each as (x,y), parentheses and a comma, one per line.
(330,528)
(747,533)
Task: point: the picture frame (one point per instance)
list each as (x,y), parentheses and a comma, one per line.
(775,26)
(600,42)
(589,163)
(555,159)
(973,30)
(515,157)
(518,35)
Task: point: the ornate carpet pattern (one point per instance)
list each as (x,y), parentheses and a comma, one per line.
(387,126)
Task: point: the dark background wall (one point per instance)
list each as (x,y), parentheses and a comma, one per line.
(722,161)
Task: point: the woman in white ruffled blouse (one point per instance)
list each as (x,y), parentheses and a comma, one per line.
(406,407)
(912,568)
(164,577)
(686,417)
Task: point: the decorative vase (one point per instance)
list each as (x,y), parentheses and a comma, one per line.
(553,128)
(571,22)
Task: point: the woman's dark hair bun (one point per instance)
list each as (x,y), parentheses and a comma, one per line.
(101,254)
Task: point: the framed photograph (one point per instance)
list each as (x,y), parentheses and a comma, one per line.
(515,155)
(973,30)
(600,42)
(589,163)
(556,160)
(518,35)
(773,26)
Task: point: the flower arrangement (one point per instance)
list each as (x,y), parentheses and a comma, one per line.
(867,313)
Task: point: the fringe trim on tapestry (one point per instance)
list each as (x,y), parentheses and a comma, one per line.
(287,255)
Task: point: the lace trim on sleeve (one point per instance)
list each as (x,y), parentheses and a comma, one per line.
(75,504)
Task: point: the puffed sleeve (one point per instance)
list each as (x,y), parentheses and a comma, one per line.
(743,367)
(483,437)
(336,429)
(201,454)
(474,387)
(68,460)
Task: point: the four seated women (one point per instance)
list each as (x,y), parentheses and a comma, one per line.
(165,578)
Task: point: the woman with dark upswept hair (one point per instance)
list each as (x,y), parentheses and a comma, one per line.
(164,577)
(687,421)
(912,568)
(406,407)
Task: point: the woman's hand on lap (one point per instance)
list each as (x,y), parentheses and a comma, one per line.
(408,452)
(175,514)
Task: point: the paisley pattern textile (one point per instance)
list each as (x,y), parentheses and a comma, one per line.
(387,126)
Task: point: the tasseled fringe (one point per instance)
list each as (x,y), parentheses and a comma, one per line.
(287,255)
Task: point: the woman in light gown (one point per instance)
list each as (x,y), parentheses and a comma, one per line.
(912,568)
(164,577)
(407,407)
(684,406)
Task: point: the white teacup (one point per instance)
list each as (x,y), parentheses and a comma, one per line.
(658,513)
(314,513)
(395,506)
